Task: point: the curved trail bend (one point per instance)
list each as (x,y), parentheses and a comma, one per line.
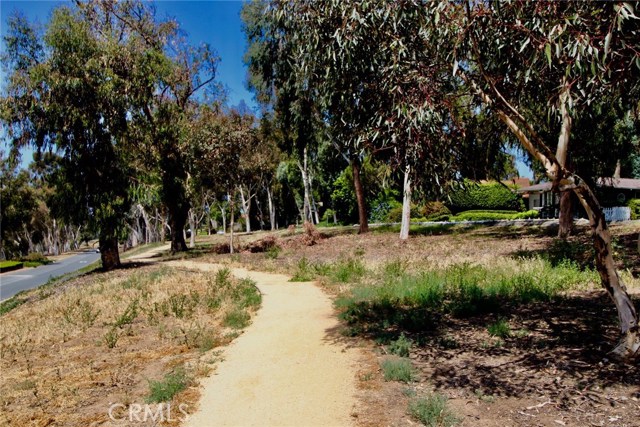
(288,368)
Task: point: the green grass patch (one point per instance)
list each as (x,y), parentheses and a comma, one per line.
(172,384)
(398,369)
(304,271)
(432,411)
(236,319)
(11,303)
(500,329)
(415,302)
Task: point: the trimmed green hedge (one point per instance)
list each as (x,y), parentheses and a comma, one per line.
(10,266)
(490,196)
(494,215)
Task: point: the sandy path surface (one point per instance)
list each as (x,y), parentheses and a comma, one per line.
(288,368)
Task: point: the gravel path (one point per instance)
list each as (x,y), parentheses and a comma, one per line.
(288,368)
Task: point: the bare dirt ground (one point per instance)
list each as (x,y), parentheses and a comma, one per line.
(289,368)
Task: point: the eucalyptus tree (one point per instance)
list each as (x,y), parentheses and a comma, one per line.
(567,55)
(283,93)
(73,90)
(372,78)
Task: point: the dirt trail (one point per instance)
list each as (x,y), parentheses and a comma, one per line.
(288,368)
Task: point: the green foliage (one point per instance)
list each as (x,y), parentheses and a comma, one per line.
(634,205)
(490,196)
(400,347)
(165,389)
(432,411)
(500,329)
(398,369)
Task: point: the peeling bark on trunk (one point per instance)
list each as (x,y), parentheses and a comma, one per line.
(362,207)
(406,206)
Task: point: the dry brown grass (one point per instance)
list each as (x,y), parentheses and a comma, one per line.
(65,358)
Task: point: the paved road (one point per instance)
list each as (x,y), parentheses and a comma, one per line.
(29,278)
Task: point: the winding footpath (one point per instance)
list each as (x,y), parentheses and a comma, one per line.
(288,368)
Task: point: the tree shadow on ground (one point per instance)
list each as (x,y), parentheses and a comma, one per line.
(557,348)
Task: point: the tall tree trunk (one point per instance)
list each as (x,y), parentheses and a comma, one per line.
(566,215)
(192,226)
(246,206)
(304,171)
(177,221)
(231,219)
(109,254)
(224,217)
(406,206)
(272,209)
(362,206)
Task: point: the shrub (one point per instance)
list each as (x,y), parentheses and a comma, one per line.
(432,411)
(394,214)
(634,204)
(434,211)
(400,347)
(35,259)
(398,369)
(490,196)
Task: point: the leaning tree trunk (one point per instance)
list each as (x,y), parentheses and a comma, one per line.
(630,341)
(566,215)
(362,207)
